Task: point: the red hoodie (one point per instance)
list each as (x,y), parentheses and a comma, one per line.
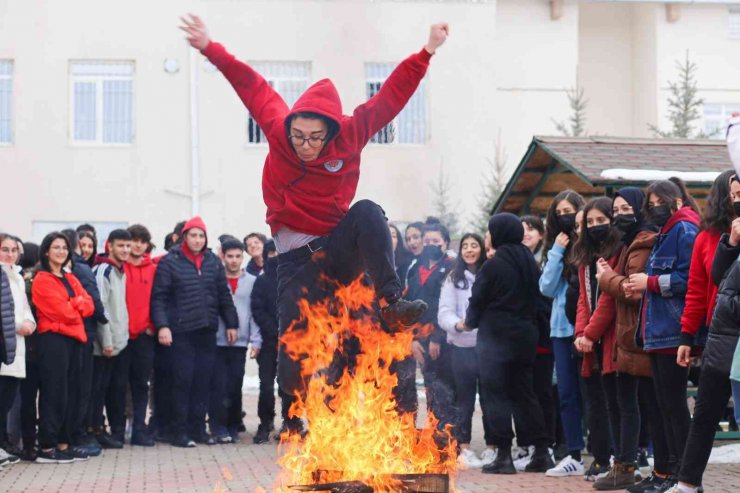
(312,197)
(139,280)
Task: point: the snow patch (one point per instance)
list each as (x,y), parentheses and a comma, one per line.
(654,174)
(726,454)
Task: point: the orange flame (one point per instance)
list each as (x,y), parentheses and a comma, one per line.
(356,432)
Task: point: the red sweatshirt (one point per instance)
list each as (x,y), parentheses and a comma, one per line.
(139,280)
(312,197)
(56,311)
(702,292)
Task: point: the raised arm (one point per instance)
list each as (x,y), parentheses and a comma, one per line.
(370,117)
(264,104)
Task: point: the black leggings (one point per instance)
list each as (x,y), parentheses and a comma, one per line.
(670,381)
(624,414)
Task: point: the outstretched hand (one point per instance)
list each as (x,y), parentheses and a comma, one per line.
(196,30)
(437,35)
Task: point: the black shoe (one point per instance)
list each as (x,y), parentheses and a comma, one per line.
(651,483)
(541,461)
(7,459)
(503,464)
(79,454)
(403,313)
(163,436)
(142,439)
(262,435)
(183,442)
(669,483)
(594,471)
(107,441)
(642,458)
(29,455)
(118,436)
(89,440)
(89,450)
(205,439)
(54,456)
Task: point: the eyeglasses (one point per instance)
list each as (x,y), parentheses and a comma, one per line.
(58,248)
(314,142)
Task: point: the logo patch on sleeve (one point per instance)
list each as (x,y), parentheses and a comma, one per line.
(334,165)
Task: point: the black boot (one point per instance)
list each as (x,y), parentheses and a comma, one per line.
(503,464)
(263,433)
(402,313)
(541,461)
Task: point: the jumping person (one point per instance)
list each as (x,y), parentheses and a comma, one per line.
(310,178)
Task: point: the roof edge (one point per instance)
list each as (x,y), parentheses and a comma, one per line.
(595,139)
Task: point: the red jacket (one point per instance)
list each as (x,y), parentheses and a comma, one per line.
(599,325)
(139,280)
(702,292)
(55,310)
(312,197)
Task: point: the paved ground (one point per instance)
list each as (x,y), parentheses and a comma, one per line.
(244,467)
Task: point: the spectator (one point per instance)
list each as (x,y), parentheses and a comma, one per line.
(254,243)
(88,246)
(401,255)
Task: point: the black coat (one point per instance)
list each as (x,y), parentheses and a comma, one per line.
(725,326)
(429,292)
(186,299)
(84,273)
(264,307)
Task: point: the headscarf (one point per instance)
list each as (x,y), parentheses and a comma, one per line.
(635,198)
(507,234)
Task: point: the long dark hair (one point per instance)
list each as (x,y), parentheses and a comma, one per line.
(584,251)
(718,211)
(46,246)
(400,254)
(457,274)
(669,191)
(552,228)
(535,222)
(94,239)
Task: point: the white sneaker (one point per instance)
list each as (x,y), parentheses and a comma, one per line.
(525,456)
(469,460)
(488,456)
(566,467)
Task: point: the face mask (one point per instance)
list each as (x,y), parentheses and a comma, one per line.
(625,222)
(598,234)
(432,252)
(736,206)
(566,222)
(660,214)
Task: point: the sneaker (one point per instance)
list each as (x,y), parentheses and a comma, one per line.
(78,454)
(7,459)
(89,450)
(54,456)
(205,439)
(619,477)
(402,312)
(142,439)
(488,456)
(234,434)
(262,435)
(468,460)
(10,449)
(183,442)
(107,441)
(523,458)
(669,484)
(566,467)
(541,461)
(595,471)
(223,439)
(651,483)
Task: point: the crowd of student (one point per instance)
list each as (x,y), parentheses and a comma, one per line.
(593,315)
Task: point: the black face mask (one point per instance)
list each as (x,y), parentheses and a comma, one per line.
(597,234)
(736,207)
(660,214)
(566,223)
(625,222)
(432,253)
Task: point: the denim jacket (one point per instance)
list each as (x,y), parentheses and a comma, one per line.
(669,261)
(554,285)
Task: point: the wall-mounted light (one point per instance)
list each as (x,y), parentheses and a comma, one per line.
(171,65)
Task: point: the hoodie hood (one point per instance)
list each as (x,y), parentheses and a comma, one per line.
(505,229)
(195,222)
(321,98)
(685,213)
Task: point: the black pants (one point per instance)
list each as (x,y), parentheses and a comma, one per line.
(133,368)
(83,392)
(267,371)
(507,389)
(542,385)
(711,402)
(597,414)
(193,358)
(440,385)
(360,243)
(29,412)
(102,373)
(8,389)
(670,381)
(624,414)
(466,373)
(162,395)
(225,411)
(58,359)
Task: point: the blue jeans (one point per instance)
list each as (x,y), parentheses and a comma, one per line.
(736,398)
(569,393)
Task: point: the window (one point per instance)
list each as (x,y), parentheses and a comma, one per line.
(6,99)
(716,116)
(39,229)
(289,79)
(102,102)
(733,24)
(410,126)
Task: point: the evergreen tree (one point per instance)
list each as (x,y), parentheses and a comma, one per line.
(576,125)
(492,185)
(445,209)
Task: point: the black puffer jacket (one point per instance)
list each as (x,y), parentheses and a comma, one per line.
(264,305)
(429,292)
(84,273)
(187,299)
(725,326)
(7,320)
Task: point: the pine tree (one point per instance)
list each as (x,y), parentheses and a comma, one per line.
(576,125)
(492,185)
(683,104)
(445,209)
